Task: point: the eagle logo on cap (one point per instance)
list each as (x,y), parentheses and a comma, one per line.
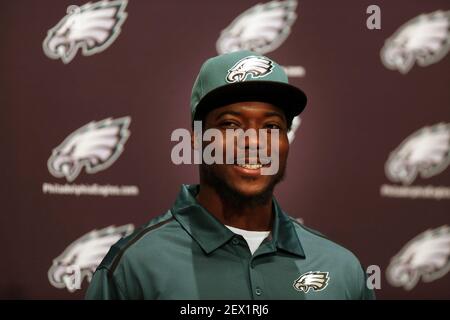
(425,39)
(254,66)
(92,28)
(315,280)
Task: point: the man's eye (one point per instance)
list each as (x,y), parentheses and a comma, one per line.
(272,126)
(229,124)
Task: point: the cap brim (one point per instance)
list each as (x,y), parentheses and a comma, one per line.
(288,98)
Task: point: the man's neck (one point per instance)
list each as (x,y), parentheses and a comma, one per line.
(256,217)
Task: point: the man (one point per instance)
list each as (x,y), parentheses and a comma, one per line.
(228,238)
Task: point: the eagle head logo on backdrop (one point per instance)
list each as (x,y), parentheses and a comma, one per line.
(95,146)
(92,27)
(262,28)
(424,39)
(425,257)
(80,259)
(425,152)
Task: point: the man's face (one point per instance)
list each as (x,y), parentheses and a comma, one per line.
(245,181)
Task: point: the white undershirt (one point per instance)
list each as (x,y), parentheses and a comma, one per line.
(253,238)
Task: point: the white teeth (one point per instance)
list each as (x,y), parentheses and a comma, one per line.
(251,166)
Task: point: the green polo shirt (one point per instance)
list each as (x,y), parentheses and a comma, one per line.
(187,253)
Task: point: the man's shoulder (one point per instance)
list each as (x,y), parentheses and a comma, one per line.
(139,239)
(339,262)
(316,243)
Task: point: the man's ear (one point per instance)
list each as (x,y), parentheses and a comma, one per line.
(197,135)
(196,140)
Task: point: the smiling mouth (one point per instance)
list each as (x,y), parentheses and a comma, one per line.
(250,166)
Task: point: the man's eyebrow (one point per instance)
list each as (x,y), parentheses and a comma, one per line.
(234,113)
(274,113)
(237,113)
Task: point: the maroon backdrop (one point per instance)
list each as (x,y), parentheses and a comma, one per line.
(359,112)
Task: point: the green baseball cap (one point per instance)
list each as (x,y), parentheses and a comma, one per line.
(244,76)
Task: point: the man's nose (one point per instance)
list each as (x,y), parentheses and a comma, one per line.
(253,140)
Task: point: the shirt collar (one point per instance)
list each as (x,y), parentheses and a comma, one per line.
(284,234)
(210,233)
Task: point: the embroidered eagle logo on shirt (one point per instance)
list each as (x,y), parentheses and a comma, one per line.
(314,280)
(254,66)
